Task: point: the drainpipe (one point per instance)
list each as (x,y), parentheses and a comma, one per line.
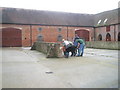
(114,33)
(67,32)
(94,34)
(30,35)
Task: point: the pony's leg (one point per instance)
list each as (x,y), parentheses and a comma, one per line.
(67,54)
(72,54)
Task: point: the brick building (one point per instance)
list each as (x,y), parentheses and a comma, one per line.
(22,27)
(107,25)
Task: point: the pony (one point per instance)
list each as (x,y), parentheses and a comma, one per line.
(69,48)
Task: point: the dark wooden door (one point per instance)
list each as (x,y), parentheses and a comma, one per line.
(108,37)
(83,34)
(11,37)
(119,36)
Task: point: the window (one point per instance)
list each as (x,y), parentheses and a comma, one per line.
(40,38)
(98,23)
(59,38)
(40,29)
(108,37)
(105,21)
(107,28)
(100,37)
(59,29)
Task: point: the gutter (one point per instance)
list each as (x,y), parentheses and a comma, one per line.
(63,25)
(106,25)
(48,25)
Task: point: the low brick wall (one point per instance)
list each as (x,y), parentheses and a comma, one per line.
(103,45)
(52,50)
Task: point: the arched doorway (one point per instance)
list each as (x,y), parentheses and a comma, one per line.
(83,33)
(119,36)
(108,37)
(11,37)
(99,37)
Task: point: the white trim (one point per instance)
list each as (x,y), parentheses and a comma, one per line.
(12,27)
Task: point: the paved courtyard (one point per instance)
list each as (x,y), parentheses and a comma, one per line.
(25,68)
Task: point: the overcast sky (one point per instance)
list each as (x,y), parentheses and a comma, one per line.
(75,6)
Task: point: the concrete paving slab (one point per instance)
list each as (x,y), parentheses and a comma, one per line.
(23,68)
(25,72)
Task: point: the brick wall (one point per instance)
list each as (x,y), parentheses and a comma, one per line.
(49,33)
(102,30)
(25,33)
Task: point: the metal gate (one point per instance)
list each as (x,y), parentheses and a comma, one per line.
(11,37)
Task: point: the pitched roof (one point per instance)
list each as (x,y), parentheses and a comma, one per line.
(26,16)
(107,17)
